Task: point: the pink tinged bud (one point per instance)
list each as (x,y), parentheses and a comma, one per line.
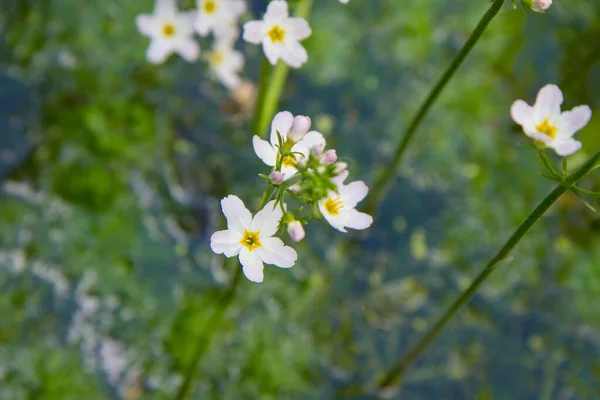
(340,167)
(542,5)
(299,128)
(329,157)
(276,177)
(296,231)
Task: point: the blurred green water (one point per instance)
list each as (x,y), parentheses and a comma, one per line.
(112,171)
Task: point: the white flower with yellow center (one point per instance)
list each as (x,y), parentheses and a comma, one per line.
(339,209)
(279,34)
(226,62)
(269,152)
(544,122)
(216,15)
(252,238)
(170,32)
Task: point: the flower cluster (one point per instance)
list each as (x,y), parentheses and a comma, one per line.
(172,31)
(301,169)
(547,125)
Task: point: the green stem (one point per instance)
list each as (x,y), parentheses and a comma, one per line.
(384,181)
(391,379)
(213,324)
(272,82)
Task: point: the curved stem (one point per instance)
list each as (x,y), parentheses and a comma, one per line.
(213,324)
(272,81)
(384,181)
(391,379)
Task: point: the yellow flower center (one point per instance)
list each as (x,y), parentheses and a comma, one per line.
(276,34)
(216,57)
(210,6)
(251,240)
(169,30)
(547,129)
(333,206)
(288,161)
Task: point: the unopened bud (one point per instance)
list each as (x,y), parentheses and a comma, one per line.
(276,177)
(299,128)
(538,5)
(296,231)
(340,167)
(329,157)
(295,188)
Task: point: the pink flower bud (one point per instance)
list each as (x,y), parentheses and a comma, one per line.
(329,157)
(299,128)
(340,167)
(276,177)
(296,231)
(542,5)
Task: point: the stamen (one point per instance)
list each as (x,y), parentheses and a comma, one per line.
(169,30)
(276,34)
(251,240)
(547,129)
(210,6)
(333,206)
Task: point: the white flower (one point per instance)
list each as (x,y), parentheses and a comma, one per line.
(339,208)
(216,15)
(252,238)
(269,152)
(344,1)
(225,63)
(170,32)
(545,123)
(279,34)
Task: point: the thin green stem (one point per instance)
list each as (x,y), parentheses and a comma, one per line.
(548,163)
(391,379)
(213,324)
(272,82)
(384,181)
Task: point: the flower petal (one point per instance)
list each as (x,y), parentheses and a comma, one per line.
(226,242)
(264,150)
(294,54)
(353,193)
(277,9)
(253,32)
(566,147)
(267,220)
(548,102)
(236,8)
(158,51)
(521,112)
(336,221)
(300,27)
(339,180)
(281,123)
(165,8)
(574,120)
(252,266)
(238,216)
(357,220)
(272,51)
(274,252)
(188,49)
(312,139)
(147,25)
(203,24)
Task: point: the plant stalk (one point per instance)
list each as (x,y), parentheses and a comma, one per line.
(391,379)
(272,82)
(213,325)
(384,181)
